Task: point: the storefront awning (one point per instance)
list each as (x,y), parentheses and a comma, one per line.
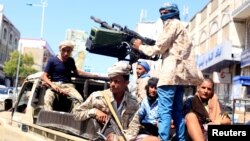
(245,58)
(221,56)
(219,66)
(243,80)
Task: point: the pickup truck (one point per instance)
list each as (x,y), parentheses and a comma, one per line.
(25,119)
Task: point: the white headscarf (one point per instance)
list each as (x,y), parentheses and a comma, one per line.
(119,68)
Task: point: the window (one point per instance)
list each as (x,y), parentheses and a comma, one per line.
(203,36)
(225,33)
(4,33)
(1,56)
(214,28)
(16,43)
(203,15)
(10,39)
(192,25)
(214,5)
(213,41)
(203,47)
(25,95)
(248,34)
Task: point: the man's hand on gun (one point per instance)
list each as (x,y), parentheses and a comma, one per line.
(101,116)
(106,119)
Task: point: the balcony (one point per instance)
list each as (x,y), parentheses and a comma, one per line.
(241,11)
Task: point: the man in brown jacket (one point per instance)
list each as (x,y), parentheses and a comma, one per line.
(178,69)
(124,104)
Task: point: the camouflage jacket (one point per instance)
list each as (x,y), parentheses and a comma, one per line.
(97,101)
(140,89)
(178,65)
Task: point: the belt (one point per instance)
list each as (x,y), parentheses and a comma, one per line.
(60,82)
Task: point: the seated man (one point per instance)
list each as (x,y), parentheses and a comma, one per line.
(144,126)
(142,71)
(57,75)
(203,109)
(115,102)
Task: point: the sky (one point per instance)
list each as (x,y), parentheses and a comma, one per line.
(61,15)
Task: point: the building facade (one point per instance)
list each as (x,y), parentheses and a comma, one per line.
(9,38)
(39,49)
(219,37)
(241,12)
(79,37)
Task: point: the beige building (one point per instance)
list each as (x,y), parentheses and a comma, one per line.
(242,13)
(39,49)
(79,37)
(9,37)
(220,34)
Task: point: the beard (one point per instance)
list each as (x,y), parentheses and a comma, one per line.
(152,99)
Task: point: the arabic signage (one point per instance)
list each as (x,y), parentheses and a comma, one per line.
(219,53)
(245,58)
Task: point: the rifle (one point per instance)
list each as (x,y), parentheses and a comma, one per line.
(116,41)
(114,126)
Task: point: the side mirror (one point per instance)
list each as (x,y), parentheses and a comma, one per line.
(8,104)
(11,92)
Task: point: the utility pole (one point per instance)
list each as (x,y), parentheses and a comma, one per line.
(18,66)
(43,4)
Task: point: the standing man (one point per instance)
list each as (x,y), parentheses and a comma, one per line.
(178,69)
(142,70)
(124,104)
(57,74)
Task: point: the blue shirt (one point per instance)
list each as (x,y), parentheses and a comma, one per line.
(60,70)
(147,113)
(145,75)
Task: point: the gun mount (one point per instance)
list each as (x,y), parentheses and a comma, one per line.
(116,41)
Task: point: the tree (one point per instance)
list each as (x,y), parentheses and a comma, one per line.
(25,68)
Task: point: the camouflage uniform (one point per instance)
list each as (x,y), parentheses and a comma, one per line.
(140,90)
(97,101)
(178,65)
(50,96)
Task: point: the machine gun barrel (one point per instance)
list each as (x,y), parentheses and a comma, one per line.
(114,25)
(134,34)
(103,24)
(116,41)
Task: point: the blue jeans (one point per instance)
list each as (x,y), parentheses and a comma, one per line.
(170,106)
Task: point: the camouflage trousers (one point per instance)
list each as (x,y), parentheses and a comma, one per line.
(73,94)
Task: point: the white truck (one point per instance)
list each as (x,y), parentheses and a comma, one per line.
(25,120)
